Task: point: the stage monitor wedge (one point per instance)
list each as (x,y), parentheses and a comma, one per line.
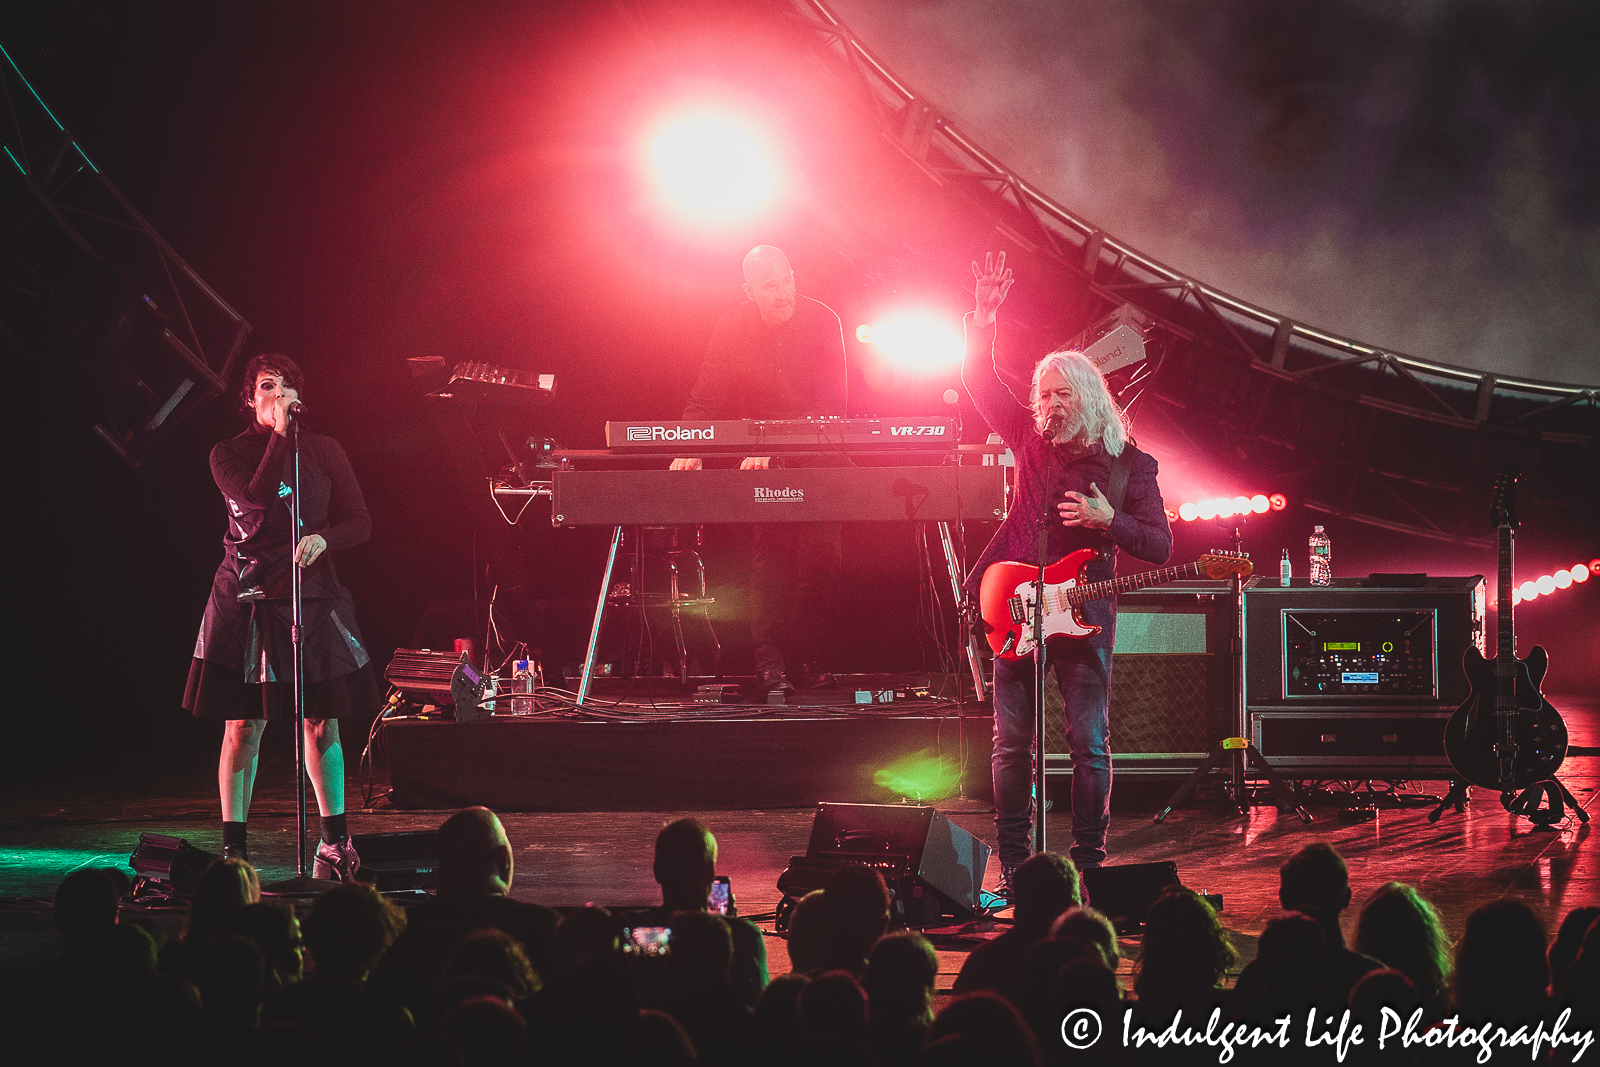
(932,866)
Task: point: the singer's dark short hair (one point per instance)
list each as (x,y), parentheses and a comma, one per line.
(273,363)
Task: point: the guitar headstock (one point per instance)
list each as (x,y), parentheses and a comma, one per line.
(1503,504)
(1219,565)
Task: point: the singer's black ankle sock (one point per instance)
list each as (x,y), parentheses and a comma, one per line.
(233,835)
(334,829)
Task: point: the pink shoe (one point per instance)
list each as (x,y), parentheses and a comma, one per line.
(336,863)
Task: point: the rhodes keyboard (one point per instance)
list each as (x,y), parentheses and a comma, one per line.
(811,494)
(757,437)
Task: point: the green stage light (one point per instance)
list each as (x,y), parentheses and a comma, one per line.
(921,776)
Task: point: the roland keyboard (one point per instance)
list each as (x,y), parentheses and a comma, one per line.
(757,437)
(808,494)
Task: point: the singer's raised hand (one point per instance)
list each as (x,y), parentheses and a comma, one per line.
(993,282)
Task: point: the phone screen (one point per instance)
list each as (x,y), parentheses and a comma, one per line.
(721,896)
(647,940)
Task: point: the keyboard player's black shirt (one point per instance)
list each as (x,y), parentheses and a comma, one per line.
(753,370)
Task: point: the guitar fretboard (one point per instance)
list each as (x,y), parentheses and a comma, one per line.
(1505,651)
(1081,594)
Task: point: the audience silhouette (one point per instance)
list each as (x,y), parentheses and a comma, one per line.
(472,976)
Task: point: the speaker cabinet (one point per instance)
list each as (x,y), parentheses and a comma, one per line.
(405,859)
(1169,680)
(931,865)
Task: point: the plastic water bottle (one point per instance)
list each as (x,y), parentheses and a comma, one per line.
(1285,573)
(491,689)
(522,682)
(1321,557)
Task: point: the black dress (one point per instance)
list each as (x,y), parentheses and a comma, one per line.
(243,658)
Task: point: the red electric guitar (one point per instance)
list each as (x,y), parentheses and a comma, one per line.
(1006,595)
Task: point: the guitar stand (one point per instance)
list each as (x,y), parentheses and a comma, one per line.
(1557,799)
(1239,750)
(1457,798)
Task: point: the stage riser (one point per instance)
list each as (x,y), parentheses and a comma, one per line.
(709,764)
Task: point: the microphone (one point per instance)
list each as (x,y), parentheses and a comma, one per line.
(1052,426)
(296,408)
(952,397)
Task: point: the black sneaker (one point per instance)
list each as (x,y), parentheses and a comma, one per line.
(773,680)
(1003,890)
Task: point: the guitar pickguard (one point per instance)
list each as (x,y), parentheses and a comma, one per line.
(1060,618)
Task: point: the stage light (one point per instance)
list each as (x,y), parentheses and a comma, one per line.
(1563,579)
(1593,565)
(1545,584)
(864,334)
(1529,590)
(922,776)
(1226,507)
(917,341)
(1580,573)
(712,166)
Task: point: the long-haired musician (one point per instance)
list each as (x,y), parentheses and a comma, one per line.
(1066,439)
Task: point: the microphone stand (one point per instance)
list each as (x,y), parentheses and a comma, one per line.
(300,885)
(1040,837)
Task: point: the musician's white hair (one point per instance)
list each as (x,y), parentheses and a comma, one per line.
(1096,416)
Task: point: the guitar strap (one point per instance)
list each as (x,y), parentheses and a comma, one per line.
(1121,467)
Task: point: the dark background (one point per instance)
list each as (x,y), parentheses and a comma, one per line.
(367,182)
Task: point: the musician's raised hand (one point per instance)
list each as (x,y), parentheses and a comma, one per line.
(993,282)
(1094,511)
(756,463)
(685,465)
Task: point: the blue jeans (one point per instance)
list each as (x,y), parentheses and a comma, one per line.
(1084,674)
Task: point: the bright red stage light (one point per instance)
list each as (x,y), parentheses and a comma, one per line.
(918,341)
(712,167)
(1277,501)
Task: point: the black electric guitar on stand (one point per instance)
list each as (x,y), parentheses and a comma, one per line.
(1506,736)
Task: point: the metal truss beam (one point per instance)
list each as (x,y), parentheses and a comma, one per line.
(1264,351)
(66,228)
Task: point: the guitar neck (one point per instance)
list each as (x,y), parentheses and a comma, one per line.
(1082,594)
(1505,650)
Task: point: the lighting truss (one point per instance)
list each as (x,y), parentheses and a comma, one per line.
(1284,382)
(85,266)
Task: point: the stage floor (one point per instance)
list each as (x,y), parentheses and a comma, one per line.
(94,816)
